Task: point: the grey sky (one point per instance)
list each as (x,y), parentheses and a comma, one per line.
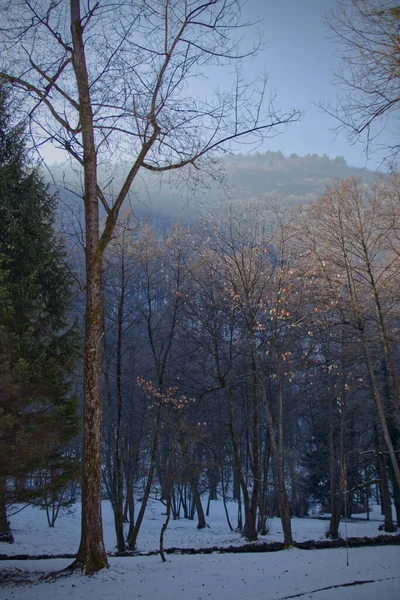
(299,57)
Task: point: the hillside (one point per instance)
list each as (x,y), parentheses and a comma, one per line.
(294,179)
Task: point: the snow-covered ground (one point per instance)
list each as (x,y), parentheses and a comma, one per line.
(280,575)
(225,577)
(33,536)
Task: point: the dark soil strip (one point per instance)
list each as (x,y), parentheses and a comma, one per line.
(381,540)
(333,587)
(35,556)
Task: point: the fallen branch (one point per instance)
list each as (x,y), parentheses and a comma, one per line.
(339,585)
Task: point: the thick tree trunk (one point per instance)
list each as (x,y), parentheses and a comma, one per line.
(201,519)
(250,523)
(334,522)
(386,504)
(129,512)
(91,556)
(5,530)
(284,510)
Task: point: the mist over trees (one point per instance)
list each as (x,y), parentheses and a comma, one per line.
(291,179)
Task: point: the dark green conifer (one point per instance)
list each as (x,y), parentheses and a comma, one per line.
(38,344)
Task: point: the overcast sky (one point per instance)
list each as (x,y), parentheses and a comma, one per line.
(299,57)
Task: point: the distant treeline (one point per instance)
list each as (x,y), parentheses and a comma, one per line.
(289,179)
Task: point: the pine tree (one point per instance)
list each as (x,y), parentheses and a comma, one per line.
(38,344)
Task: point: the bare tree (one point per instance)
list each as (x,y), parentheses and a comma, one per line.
(101,80)
(351,244)
(368,32)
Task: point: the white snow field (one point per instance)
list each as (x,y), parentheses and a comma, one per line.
(263,576)
(258,576)
(33,536)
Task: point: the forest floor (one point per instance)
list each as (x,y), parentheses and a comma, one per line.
(295,573)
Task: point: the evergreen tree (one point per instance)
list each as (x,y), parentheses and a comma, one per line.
(38,345)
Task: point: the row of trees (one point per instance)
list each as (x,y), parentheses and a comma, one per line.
(255,356)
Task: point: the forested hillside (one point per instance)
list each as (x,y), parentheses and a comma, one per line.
(291,180)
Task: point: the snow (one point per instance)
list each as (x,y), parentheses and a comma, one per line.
(33,536)
(257,576)
(228,576)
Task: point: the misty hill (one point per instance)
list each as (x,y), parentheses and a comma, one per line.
(294,179)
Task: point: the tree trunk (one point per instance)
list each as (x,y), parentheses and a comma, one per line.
(164,528)
(91,556)
(5,530)
(134,530)
(250,529)
(118,467)
(224,498)
(337,487)
(251,514)
(386,504)
(284,505)
(250,523)
(396,498)
(201,519)
(284,510)
(335,504)
(129,512)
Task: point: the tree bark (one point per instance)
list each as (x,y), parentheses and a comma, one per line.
(386,504)
(119,473)
(284,506)
(250,528)
(5,530)
(134,530)
(396,498)
(164,528)
(201,519)
(91,556)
